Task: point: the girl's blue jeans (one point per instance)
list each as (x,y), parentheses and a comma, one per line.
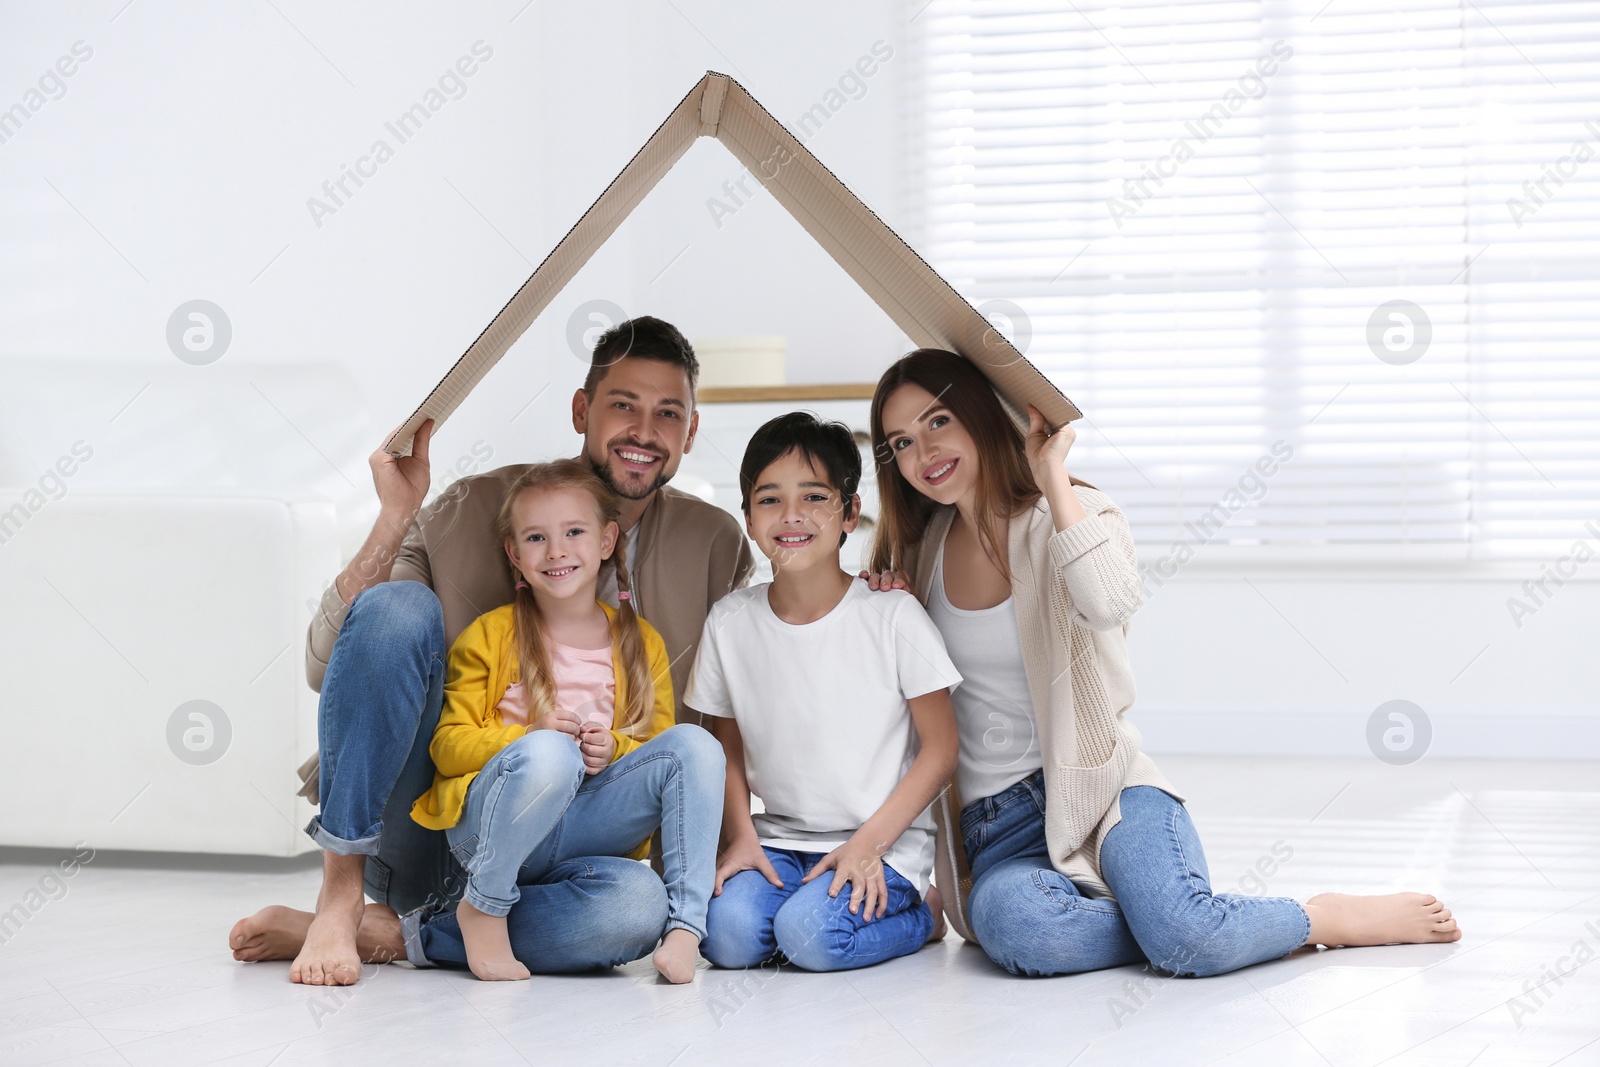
(1032,920)
(754,921)
(532,813)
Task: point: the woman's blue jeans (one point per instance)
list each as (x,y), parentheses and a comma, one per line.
(532,810)
(754,921)
(380,704)
(1032,920)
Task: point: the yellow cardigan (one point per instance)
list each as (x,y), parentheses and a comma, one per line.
(482,663)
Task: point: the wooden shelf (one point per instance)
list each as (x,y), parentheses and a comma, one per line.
(729,394)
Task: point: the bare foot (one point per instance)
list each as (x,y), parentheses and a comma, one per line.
(488,946)
(935,902)
(278,933)
(676,958)
(273,933)
(1395,918)
(328,955)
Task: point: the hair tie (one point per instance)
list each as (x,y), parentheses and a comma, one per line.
(624,595)
(522,584)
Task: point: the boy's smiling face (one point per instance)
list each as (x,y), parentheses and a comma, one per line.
(796,518)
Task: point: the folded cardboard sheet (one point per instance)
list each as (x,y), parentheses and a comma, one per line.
(909,291)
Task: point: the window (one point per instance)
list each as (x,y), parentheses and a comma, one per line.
(1324,277)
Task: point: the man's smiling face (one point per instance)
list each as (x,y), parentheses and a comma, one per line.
(638,425)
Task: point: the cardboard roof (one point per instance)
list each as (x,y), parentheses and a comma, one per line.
(909,291)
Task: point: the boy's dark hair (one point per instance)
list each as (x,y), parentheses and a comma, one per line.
(829,446)
(645,337)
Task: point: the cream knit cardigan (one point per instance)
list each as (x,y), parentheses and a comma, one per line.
(1074,590)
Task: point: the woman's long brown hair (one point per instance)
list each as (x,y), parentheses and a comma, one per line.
(1006,486)
(533,657)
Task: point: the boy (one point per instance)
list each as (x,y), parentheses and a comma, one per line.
(832,704)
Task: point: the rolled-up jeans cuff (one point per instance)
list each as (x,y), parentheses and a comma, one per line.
(411,930)
(365,846)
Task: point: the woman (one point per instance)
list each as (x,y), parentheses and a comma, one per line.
(1072,851)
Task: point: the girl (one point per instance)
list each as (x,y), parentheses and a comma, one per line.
(1073,852)
(556,758)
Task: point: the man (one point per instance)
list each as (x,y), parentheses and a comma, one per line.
(377,646)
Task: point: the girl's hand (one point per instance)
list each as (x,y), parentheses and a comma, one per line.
(1047,452)
(862,866)
(746,854)
(559,719)
(888,580)
(597,745)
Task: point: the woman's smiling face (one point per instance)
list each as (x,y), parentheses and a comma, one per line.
(932,450)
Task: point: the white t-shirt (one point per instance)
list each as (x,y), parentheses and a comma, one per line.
(994,709)
(822,709)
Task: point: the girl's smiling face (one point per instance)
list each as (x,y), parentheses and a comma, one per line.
(559,541)
(931,449)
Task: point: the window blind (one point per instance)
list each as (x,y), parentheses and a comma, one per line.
(1323,276)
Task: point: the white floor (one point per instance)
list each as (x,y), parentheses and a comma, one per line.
(129,965)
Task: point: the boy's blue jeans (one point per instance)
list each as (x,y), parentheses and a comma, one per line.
(753,920)
(1032,920)
(380,703)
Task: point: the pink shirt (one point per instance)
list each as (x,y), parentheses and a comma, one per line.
(586,685)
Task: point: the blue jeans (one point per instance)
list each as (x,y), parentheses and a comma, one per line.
(532,808)
(753,920)
(579,915)
(380,703)
(1032,920)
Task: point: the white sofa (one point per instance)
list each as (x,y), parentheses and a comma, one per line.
(164,533)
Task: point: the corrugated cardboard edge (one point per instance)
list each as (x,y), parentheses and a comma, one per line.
(898,280)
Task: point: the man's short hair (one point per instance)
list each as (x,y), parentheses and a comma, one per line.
(828,446)
(645,337)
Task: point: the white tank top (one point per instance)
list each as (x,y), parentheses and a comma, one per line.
(999,744)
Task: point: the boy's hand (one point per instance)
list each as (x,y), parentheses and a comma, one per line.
(882,580)
(597,745)
(861,865)
(746,854)
(559,719)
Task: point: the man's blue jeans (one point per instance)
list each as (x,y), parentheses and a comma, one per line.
(1032,920)
(380,703)
(753,920)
